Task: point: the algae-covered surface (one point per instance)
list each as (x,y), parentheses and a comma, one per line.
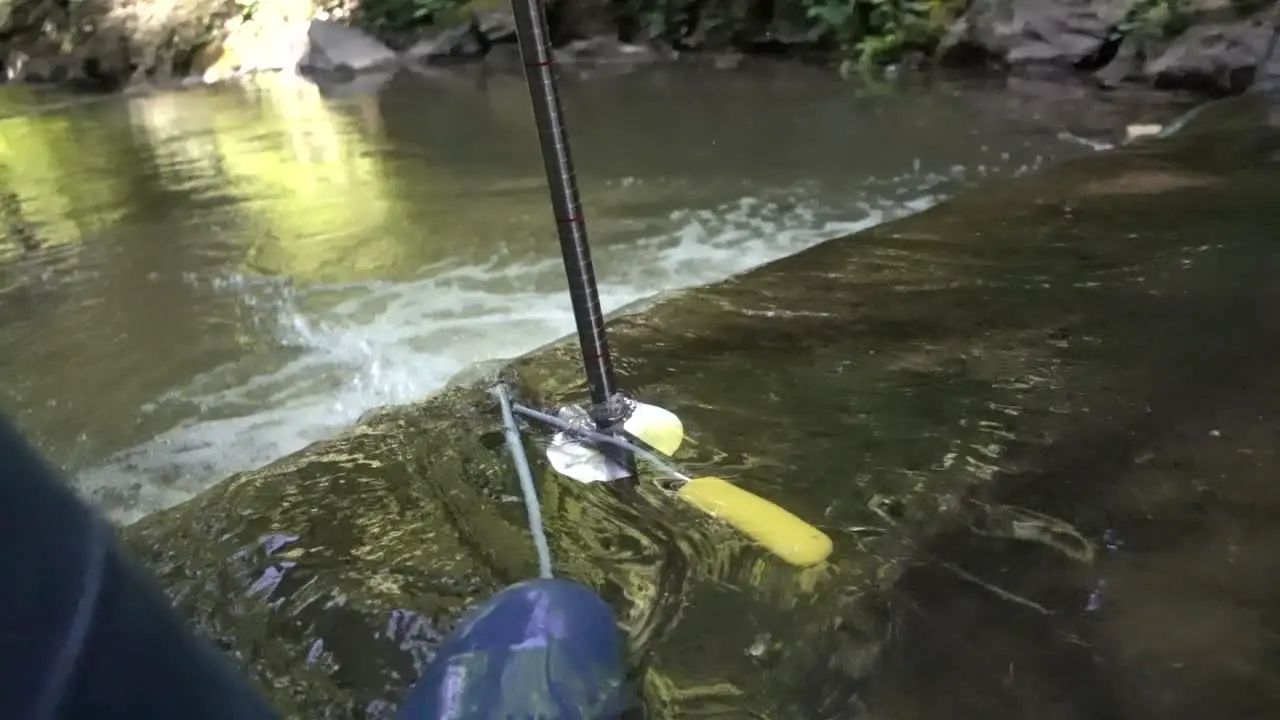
(972,377)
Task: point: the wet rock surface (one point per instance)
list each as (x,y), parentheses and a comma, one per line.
(1166,469)
(1173,618)
(1207,46)
(973,395)
(1029,32)
(332,47)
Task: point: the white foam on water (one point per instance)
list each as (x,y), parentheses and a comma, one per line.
(344,350)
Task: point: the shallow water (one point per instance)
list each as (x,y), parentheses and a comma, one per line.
(208,280)
(1160,453)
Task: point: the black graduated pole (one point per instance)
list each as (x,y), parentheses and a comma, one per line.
(548,117)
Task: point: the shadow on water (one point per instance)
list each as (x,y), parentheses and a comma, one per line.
(1167,466)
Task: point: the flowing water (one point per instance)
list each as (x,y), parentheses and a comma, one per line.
(1040,422)
(199,282)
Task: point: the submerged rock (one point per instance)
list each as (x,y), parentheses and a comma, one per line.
(1169,469)
(880,386)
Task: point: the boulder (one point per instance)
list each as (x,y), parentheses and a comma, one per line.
(470,40)
(336,48)
(1220,58)
(1056,33)
(1210,46)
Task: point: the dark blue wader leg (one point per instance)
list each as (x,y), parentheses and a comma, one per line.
(85,634)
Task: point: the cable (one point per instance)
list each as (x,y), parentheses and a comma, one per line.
(516,445)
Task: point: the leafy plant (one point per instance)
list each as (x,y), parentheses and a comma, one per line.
(1155,19)
(870,33)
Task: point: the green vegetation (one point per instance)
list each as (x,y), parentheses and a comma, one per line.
(864,33)
(394,19)
(869,33)
(1155,19)
(860,33)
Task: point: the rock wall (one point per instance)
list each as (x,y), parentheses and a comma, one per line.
(103,44)
(1213,46)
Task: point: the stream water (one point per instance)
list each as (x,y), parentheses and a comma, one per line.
(198,282)
(211,279)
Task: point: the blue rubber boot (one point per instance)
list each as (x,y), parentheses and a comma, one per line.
(538,650)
